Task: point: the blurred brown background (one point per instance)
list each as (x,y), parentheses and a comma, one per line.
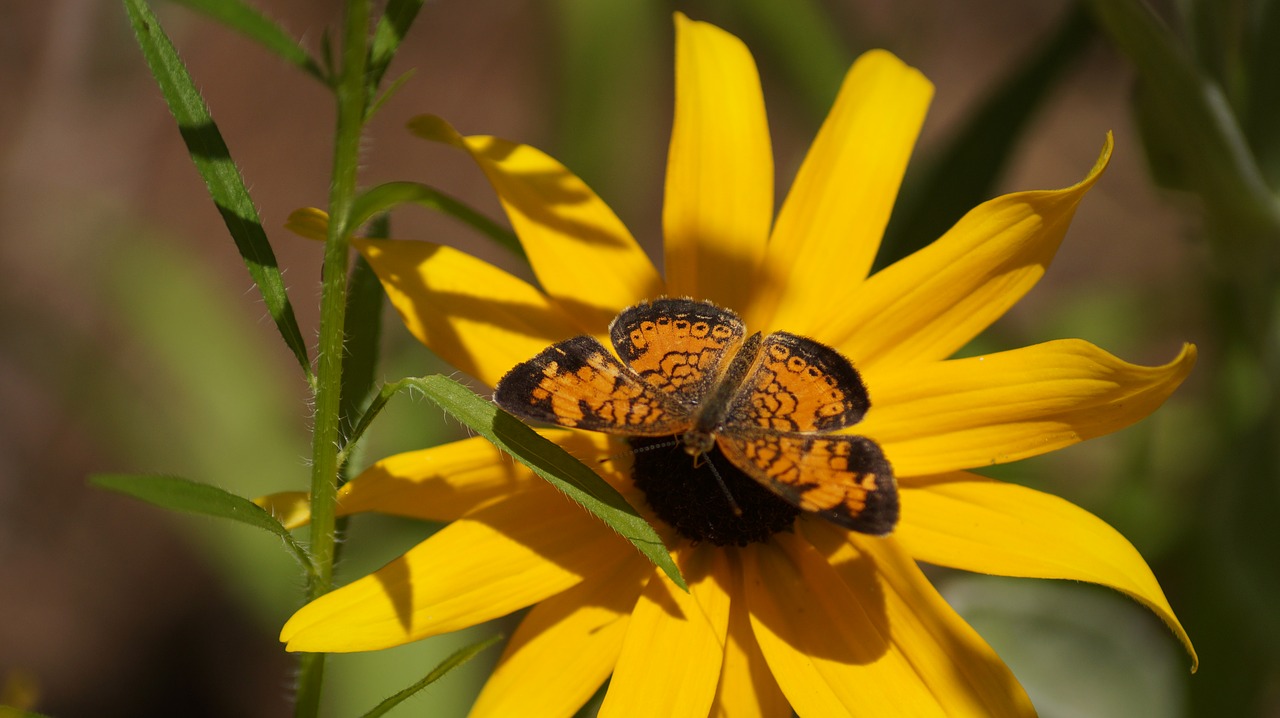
(131,338)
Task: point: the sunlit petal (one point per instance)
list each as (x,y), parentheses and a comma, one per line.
(946,654)
(746,688)
(516,554)
(996,408)
(719,189)
(444,482)
(290,508)
(441,483)
(475,316)
(585,258)
(674,646)
(566,647)
(973,523)
(837,209)
(931,304)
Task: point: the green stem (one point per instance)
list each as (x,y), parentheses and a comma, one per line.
(352,94)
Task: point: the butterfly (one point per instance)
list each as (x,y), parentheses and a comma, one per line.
(688,370)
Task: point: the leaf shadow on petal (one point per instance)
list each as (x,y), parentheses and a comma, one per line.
(537,194)
(397,584)
(546,324)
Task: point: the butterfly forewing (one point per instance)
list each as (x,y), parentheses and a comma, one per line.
(844,479)
(798,385)
(678,346)
(577,383)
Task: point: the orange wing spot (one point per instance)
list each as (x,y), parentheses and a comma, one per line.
(826,496)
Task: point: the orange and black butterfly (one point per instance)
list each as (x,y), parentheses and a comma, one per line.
(689,370)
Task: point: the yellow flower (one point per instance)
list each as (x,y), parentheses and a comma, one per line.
(815,619)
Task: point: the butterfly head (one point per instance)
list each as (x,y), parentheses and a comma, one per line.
(697,442)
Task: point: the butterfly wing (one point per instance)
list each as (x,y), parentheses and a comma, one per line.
(577,383)
(678,346)
(799,385)
(844,479)
(774,431)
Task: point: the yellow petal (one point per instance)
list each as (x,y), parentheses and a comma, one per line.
(441,483)
(475,316)
(309,223)
(827,646)
(674,646)
(499,559)
(291,508)
(976,524)
(719,188)
(582,253)
(836,212)
(444,482)
(933,302)
(945,652)
(566,647)
(992,409)
(746,688)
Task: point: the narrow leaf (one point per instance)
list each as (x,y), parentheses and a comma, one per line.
(458,658)
(392,27)
(387,94)
(363,329)
(249,22)
(213,162)
(387,196)
(543,457)
(964,172)
(178,494)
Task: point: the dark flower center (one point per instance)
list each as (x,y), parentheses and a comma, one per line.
(690,500)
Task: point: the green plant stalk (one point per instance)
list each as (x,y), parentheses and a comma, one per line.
(352,94)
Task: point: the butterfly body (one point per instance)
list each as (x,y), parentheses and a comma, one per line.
(688,370)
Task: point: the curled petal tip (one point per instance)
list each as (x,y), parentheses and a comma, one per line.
(436,129)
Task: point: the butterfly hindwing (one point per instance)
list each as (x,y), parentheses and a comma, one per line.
(577,383)
(677,345)
(798,385)
(844,479)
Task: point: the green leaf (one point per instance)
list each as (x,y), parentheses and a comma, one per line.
(387,196)
(458,658)
(179,494)
(543,457)
(939,191)
(391,90)
(213,162)
(249,22)
(362,331)
(392,27)
(1195,123)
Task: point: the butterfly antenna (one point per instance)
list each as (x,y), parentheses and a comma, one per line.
(633,452)
(737,510)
